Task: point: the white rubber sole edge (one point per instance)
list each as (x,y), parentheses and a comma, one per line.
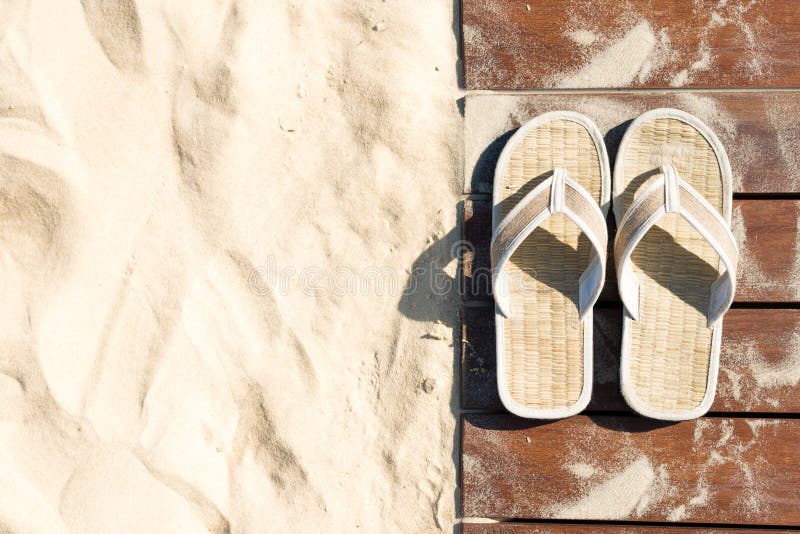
(605,195)
(626,385)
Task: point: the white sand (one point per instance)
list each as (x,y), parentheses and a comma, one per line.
(581,469)
(626,59)
(620,496)
(163,162)
(582,37)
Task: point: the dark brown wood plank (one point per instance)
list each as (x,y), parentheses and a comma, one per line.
(760,130)
(759,361)
(769,250)
(475,260)
(478,359)
(711,470)
(621,528)
(476,234)
(514,44)
(766,231)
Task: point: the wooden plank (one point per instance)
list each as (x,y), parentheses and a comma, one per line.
(711,470)
(769,250)
(620,528)
(766,231)
(759,361)
(512,44)
(476,276)
(760,130)
(475,260)
(478,359)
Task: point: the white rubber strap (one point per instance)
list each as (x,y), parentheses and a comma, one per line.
(557,194)
(671,194)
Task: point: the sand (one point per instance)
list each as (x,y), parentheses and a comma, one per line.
(615,498)
(631,57)
(210,211)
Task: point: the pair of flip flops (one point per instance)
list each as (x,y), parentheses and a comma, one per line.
(674,252)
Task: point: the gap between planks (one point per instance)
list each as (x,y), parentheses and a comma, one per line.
(623,90)
(487,197)
(485,525)
(630,413)
(613,304)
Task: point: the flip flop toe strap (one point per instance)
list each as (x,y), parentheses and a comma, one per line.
(557,194)
(671,194)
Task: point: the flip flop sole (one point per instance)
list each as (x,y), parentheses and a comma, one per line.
(670,356)
(544,352)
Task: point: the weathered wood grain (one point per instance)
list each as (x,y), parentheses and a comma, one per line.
(478,359)
(759,130)
(766,231)
(621,528)
(475,259)
(759,362)
(514,44)
(711,470)
(769,250)
(476,234)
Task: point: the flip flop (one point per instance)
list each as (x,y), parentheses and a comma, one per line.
(676,262)
(552,188)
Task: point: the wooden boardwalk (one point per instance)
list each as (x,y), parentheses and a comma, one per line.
(735,65)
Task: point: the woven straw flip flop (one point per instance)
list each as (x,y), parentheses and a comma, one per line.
(551,196)
(676,262)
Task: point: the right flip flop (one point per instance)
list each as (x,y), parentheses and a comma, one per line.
(676,262)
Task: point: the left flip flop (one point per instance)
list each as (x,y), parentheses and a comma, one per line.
(552,189)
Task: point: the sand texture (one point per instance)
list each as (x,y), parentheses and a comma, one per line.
(209,213)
